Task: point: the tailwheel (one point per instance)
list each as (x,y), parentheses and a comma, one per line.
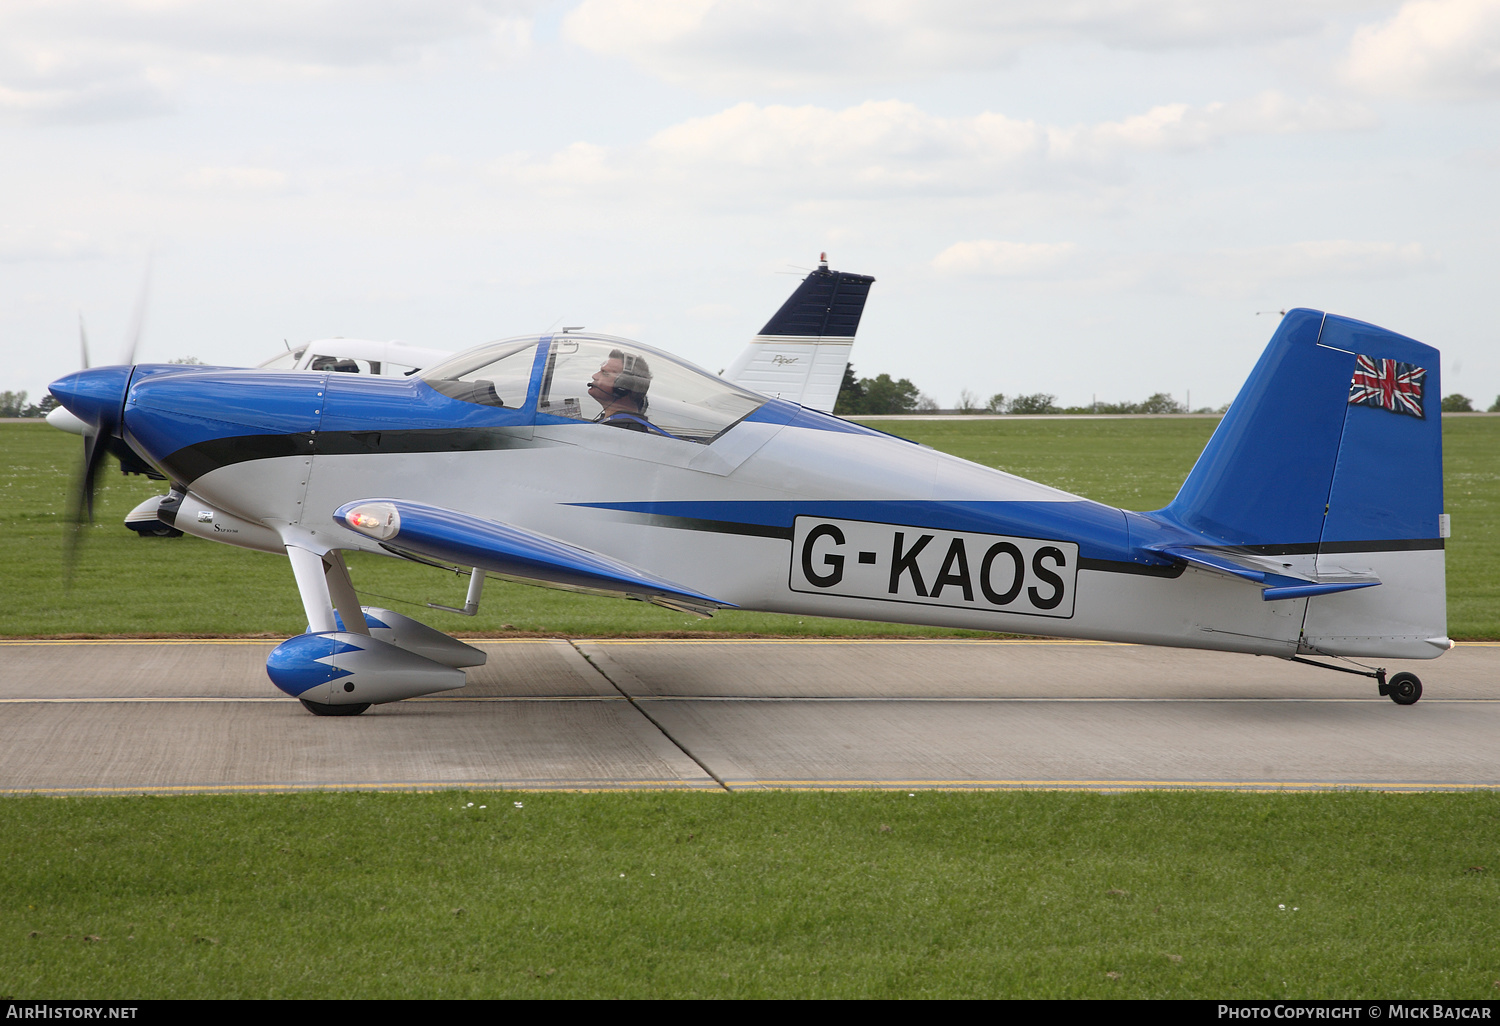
(320,709)
(1404,688)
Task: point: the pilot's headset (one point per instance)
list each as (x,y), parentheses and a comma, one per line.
(634,378)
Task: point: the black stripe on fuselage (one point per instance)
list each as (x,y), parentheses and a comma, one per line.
(713,526)
(1330,547)
(1171,571)
(193,461)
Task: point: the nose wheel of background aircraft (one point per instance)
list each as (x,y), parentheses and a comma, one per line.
(319,709)
(1403,688)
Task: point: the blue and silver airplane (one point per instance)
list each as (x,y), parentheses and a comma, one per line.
(1311,528)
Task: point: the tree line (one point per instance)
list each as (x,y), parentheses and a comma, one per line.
(1456,403)
(14,404)
(882,395)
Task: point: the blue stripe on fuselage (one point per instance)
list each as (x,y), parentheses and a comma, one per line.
(779,411)
(1099,530)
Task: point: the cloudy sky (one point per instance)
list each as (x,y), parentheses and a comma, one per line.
(1085,197)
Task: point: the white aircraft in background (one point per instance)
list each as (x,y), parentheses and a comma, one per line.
(801,353)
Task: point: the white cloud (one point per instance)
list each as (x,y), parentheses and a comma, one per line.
(1178,126)
(1246,271)
(107,98)
(1227,272)
(253,179)
(789,43)
(887,148)
(884,145)
(990,257)
(93,60)
(1441,49)
(32,243)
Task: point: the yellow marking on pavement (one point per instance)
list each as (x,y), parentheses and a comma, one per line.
(1099,785)
(847,641)
(1053,699)
(397,786)
(638,641)
(249,699)
(142,641)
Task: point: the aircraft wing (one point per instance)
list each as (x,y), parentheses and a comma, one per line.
(426,532)
(1281,580)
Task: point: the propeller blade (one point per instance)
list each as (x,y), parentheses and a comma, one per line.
(83,341)
(138,320)
(81,508)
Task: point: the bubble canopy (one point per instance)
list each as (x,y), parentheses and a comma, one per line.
(596,379)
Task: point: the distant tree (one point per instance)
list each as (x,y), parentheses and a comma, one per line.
(995,403)
(1161,402)
(1456,403)
(1495,406)
(968,402)
(1037,402)
(13,404)
(851,393)
(193,360)
(885,395)
(877,395)
(926,403)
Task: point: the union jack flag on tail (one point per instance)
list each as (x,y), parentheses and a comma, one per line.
(1388,385)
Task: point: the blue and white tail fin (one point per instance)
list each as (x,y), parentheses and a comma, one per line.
(1325,478)
(801,353)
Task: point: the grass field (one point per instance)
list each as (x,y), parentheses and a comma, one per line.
(754,895)
(126,585)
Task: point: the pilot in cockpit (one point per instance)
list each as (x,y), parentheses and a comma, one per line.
(619,386)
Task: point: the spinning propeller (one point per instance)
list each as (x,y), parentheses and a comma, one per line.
(96,397)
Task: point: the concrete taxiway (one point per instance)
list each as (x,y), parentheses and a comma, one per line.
(200,716)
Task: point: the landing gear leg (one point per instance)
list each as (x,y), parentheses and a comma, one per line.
(1403,688)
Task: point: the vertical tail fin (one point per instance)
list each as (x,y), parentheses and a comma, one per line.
(801,353)
(1333,452)
(1324,442)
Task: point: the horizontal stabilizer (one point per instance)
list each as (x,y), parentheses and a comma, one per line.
(1293,591)
(434,533)
(1280,579)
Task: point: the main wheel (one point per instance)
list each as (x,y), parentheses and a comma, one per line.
(155,529)
(319,709)
(1405,688)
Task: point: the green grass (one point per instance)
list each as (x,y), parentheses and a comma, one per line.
(752,895)
(126,585)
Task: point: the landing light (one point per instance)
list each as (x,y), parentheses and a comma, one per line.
(376,519)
